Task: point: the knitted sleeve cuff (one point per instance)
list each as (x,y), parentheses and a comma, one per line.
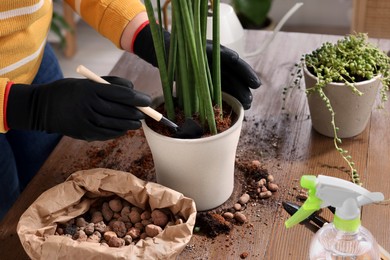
(3,113)
(139,29)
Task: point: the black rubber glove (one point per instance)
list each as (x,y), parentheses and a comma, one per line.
(79,108)
(237,77)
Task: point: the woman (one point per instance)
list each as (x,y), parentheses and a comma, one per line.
(37,106)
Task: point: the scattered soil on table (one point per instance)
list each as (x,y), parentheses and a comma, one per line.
(251,178)
(257,185)
(213,224)
(259,155)
(111,155)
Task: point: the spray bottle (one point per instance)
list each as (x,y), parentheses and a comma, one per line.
(344,238)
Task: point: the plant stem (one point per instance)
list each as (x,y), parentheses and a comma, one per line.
(216,70)
(160,22)
(197,58)
(182,84)
(172,53)
(160,54)
(336,140)
(204,13)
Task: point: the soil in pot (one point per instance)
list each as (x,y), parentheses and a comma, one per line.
(224,123)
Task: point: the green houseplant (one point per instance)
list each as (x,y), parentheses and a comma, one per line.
(187,52)
(191,86)
(253,14)
(338,73)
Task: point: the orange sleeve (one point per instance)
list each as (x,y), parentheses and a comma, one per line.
(108,17)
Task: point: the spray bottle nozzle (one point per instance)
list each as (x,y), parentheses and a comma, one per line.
(311,205)
(309,182)
(345,196)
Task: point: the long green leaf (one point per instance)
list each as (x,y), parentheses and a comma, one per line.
(172,54)
(160,54)
(183,85)
(216,56)
(204,92)
(203,23)
(160,22)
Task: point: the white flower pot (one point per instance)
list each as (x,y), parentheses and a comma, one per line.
(352,112)
(202,169)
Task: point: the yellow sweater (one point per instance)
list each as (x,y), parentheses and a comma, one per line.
(24,25)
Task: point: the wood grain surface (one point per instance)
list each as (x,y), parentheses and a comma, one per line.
(277,132)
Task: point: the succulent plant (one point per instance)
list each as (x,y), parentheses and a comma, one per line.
(350,60)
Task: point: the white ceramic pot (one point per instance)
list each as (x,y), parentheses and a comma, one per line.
(202,169)
(352,112)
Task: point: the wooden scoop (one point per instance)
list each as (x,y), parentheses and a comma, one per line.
(189,130)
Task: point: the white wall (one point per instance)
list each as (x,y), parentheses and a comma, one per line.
(315,12)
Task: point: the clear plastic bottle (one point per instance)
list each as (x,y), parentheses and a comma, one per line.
(345,238)
(331,243)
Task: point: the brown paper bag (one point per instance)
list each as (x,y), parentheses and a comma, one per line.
(73,198)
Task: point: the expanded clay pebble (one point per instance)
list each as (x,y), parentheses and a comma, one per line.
(240,217)
(89,229)
(270,178)
(128,239)
(119,228)
(159,218)
(134,216)
(228,215)
(146,215)
(265,194)
(272,187)
(109,234)
(115,205)
(134,233)
(125,213)
(115,223)
(244,199)
(107,212)
(261,183)
(97,216)
(237,206)
(80,222)
(116,242)
(153,230)
(100,227)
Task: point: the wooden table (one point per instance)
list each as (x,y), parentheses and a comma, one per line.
(282,139)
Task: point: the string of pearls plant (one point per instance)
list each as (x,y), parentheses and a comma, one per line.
(350,60)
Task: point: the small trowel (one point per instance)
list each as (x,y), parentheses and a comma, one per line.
(189,130)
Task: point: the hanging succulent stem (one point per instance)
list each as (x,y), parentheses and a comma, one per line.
(350,60)
(336,140)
